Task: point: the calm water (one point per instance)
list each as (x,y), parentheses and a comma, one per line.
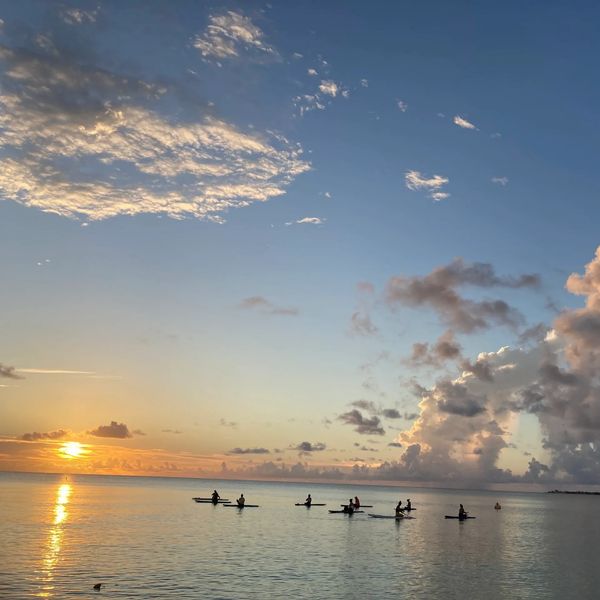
(146,538)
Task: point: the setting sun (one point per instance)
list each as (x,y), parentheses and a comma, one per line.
(71,449)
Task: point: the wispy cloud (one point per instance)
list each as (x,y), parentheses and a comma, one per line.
(503,181)
(364,83)
(415,181)
(263,305)
(363,425)
(84,142)
(54,372)
(229,34)
(308,221)
(249,451)
(461,122)
(77,16)
(8,372)
(49,435)
(402,106)
(309,447)
(312,72)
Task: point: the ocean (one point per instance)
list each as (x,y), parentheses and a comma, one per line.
(146,538)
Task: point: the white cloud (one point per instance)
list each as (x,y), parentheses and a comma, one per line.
(416,181)
(308,221)
(77,16)
(500,180)
(402,105)
(329,87)
(327,194)
(364,83)
(312,72)
(114,155)
(458,120)
(230,33)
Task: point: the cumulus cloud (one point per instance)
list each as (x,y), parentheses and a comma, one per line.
(309,221)
(82,142)
(49,435)
(415,181)
(264,306)
(249,451)
(8,372)
(230,34)
(438,290)
(114,430)
(363,425)
(458,120)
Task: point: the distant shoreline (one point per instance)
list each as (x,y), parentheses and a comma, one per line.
(570,492)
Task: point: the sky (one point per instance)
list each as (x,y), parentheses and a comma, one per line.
(301,240)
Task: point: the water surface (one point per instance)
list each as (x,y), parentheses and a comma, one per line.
(146,538)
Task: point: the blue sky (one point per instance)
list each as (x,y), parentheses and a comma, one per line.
(195,196)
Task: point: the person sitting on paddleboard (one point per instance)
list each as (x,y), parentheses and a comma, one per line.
(497,507)
(356,502)
(308,500)
(399,509)
(215,496)
(408,505)
(349,508)
(241,500)
(462,513)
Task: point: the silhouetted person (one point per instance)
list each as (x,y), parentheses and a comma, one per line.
(408,505)
(462,513)
(399,509)
(356,502)
(215,497)
(497,506)
(241,500)
(349,508)
(308,500)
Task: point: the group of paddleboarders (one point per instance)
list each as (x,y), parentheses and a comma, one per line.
(352,506)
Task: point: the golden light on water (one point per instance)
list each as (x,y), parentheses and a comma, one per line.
(71,449)
(55,539)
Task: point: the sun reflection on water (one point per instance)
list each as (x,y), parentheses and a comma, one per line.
(55,539)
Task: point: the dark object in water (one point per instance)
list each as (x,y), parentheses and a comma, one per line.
(309,505)
(459,518)
(345,512)
(362,505)
(97,586)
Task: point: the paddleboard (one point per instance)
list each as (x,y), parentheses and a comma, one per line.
(459,518)
(210,499)
(389,517)
(245,506)
(309,505)
(362,505)
(345,512)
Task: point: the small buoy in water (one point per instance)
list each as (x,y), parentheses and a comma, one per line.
(97,587)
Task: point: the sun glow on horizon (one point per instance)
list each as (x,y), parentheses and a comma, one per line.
(71,450)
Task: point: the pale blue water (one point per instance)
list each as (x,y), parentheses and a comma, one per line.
(146,538)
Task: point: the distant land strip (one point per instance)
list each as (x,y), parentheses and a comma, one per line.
(567,492)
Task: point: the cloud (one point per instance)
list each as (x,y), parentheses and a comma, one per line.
(446,348)
(266,307)
(49,435)
(415,181)
(364,83)
(77,16)
(312,72)
(463,123)
(308,447)
(438,290)
(310,221)
(249,451)
(8,372)
(503,181)
(55,372)
(173,431)
(395,444)
(363,425)
(391,413)
(229,35)
(329,88)
(361,324)
(225,423)
(402,106)
(114,430)
(82,142)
